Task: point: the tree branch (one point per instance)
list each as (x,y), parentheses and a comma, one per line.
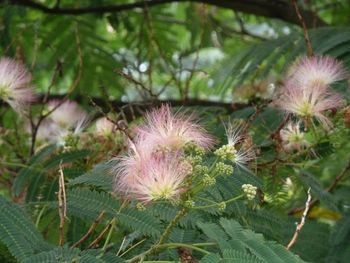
(132,109)
(302,221)
(279,9)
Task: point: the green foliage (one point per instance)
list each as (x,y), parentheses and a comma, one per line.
(18,232)
(244,244)
(89,204)
(258,60)
(219,63)
(100,177)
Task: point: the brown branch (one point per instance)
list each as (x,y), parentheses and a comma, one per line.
(94,243)
(62,204)
(268,8)
(338,178)
(122,128)
(276,134)
(302,221)
(131,110)
(136,82)
(90,231)
(310,51)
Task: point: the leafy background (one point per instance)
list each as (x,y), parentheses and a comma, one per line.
(218,60)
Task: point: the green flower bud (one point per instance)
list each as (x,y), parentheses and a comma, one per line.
(140,207)
(189,203)
(201,169)
(249,190)
(223,168)
(226,152)
(208,180)
(222,206)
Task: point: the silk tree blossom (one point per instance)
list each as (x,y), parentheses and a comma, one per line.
(309,103)
(15,87)
(46,131)
(293,139)
(105,127)
(234,150)
(129,166)
(68,114)
(49,131)
(167,131)
(66,120)
(308,72)
(151,178)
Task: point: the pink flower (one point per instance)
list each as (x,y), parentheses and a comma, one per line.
(293,139)
(309,103)
(105,127)
(130,165)
(150,178)
(15,87)
(46,131)
(68,115)
(164,130)
(67,119)
(317,70)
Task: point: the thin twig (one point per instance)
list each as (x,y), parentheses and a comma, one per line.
(162,238)
(276,134)
(310,51)
(116,123)
(302,221)
(338,178)
(134,81)
(62,204)
(35,127)
(97,240)
(91,230)
(133,246)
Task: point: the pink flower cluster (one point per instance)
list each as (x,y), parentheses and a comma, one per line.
(67,117)
(15,86)
(307,92)
(154,167)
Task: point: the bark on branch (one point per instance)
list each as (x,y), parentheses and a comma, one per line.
(278,9)
(132,109)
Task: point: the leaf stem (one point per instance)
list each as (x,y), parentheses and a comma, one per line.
(162,238)
(217,204)
(172,245)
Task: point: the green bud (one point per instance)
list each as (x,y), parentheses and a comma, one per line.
(223,168)
(249,190)
(201,169)
(140,207)
(222,206)
(189,203)
(208,180)
(226,152)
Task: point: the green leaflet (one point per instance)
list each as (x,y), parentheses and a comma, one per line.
(235,241)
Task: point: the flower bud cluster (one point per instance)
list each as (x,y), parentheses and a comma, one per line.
(208,180)
(222,206)
(140,207)
(195,149)
(196,159)
(249,190)
(223,168)
(189,203)
(201,169)
(226,152)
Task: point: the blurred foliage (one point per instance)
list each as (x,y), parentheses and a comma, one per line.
(183,52)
